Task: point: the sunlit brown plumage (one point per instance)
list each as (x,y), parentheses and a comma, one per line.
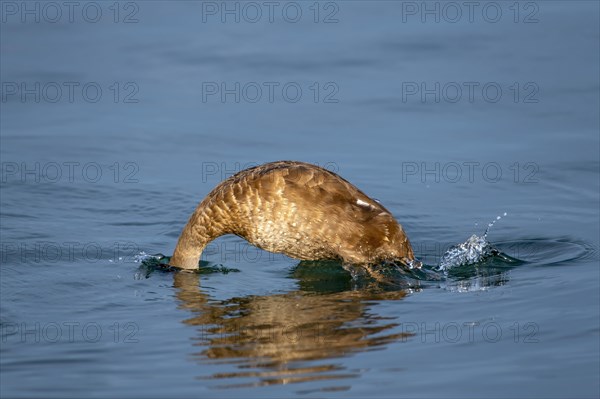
(298,209)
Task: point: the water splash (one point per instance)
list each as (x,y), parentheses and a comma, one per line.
(159,262)
(142,256)
(492,223)
(473,250)
(414,264)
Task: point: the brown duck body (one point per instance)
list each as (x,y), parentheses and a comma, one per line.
(298,209)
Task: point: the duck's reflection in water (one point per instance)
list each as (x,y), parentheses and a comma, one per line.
(295,337)
(276,339)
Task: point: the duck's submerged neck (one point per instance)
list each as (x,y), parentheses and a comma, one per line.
(197,233)
(188,250)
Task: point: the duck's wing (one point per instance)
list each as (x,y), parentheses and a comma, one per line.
(324,189)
